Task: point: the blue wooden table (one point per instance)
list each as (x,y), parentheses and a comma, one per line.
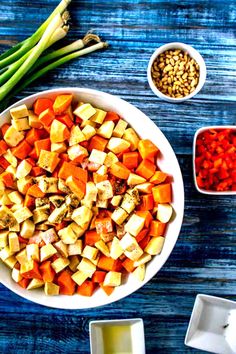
(203,260)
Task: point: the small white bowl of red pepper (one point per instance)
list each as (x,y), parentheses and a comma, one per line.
(214,160)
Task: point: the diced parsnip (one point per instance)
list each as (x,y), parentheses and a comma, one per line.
(77,151)
(75,248)
(62,248)
(164,212)
(7,218)
(48,160)
(116,200)
(3,238)
(131,248)
(139,272)
(58,147)
(155,245)
(12,137)
(120,128)
(85,111)
(10,261)
(130,136)
(128,203)
(116,250)
(48,184)
(79,277)
(102,203)
(22,214)
(97,156)
(32,251)
(89,132)
(118,145)
(76,136)
(106,129)
(82,216)
(112,279)
(12,170)
(102,170)
(87,267)
(72,200)
(2,187)
(84,123)
(21,124)
(14,244)
(15,197)
(144,187)
(35,284)
(71,233)
(47,251)
(34,121)
(105,190)
(51,289)
(107,237)
(62,186)
(16,276)
(91,192)
(42,227)
(10,158)
(59,264)
(5,253)
(135,224)
(96,260)
(74,262)
(101,246)
(19,112)
(21,256)
(23,184)
(99,116)
(58,214)
(90,252)
(119,215)
(4,200)
(58,132)
(111,158)
(15,227)
(143,259)
(49,236)
(134,179)
(40,214)
(23,169)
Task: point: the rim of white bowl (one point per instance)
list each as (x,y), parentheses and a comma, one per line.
(194,54)
(57,301)
(198,131)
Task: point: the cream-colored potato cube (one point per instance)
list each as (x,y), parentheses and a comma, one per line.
(10,158)
(4,200)
(111,158)
(87,267)
(130,136)
(135,254)
(51,289)
(102,170)
(76,136)
(59,147)
(85,111)
(22,214)
(82,216)
(164,212)
(23,169)
(15,197)
(5,253)
(58,214)
(120,128)
(59,264)
(21,256)
(89,132)
(116,200)
(57,200)
(14,244)
(3,238)
(21,124)
(97,156)
(102,203)
(90,252)
(106,129)
(16,276)
(40,214)
(144,187)
(34,121)
(74,262)
(131,248)
(62,186)
(84,123)
(135,224)
(139,272)
(143,259)
(102,247)
(105,190)
(116,250)
(128,203)
(11,170)
(117,145)
(35,284)
(112,279)
(119,215)
(2,188)
(10,261)
(12,137)
(47,251)
(76,248)
(7,218)
(27,228)
(99,116)
(62,248)
(91,192)
(48,184)
(24,183)
(71,233)
(19,112)
(96,260)
(79,277)
(32,251)
(77,151)
(134,179)
(58,131)
(155,245)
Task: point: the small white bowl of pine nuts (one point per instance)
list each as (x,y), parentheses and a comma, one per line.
(176,72)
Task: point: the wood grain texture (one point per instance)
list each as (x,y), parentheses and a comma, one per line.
(203,260)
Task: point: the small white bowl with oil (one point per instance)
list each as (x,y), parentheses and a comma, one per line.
(117,336)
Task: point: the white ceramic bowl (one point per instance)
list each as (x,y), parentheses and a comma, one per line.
(194,54)
(167,162)
(200,130)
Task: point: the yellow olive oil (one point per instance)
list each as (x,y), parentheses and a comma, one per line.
(117,339)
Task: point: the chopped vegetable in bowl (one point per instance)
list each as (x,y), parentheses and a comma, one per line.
(82,199)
